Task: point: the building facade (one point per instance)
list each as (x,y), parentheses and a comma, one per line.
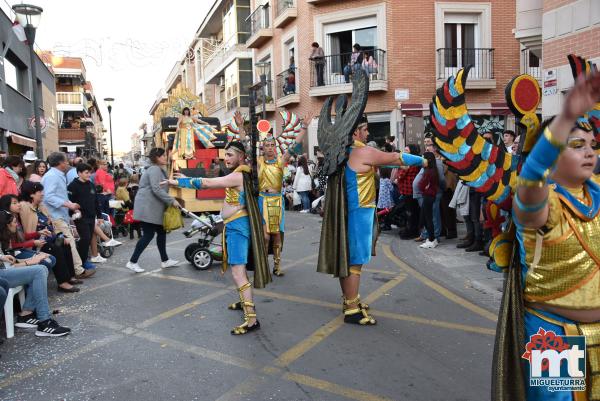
(16,110)
(410,47)
(558,27)
(80,123)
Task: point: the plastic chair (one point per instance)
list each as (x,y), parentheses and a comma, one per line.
(8,309)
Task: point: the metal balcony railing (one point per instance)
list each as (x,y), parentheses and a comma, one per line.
(286,83)
(259,19)
(531,63)
(283,5)
(450,60)
(337,69)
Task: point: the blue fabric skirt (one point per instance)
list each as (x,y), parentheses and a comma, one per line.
(360,235)
(237,239)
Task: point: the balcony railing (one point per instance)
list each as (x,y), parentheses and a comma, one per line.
(450,60)
(337,69)
(259,19)
(283,5)
(286,83)
(531,63)
(70,98)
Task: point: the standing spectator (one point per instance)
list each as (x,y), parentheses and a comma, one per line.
(384,201)
(105,180)
(429,188)
(404,182)
(39,169)
(150,204)
(9,176)
(303,183)
(83,193)
(318,58)
(355,63)
(56,200)
(508,137)
(72,173)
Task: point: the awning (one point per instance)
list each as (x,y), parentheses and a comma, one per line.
(21,140)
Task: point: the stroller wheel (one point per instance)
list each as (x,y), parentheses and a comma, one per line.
(190,249)
(106,251)
(202,259)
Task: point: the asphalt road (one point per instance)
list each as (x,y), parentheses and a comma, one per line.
(164,334)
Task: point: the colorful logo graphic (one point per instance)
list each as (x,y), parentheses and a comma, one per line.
(556,361)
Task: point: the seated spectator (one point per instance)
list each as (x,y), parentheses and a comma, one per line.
(36,235)
(9,175)
(30,273)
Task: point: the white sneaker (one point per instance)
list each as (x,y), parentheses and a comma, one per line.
(112,243)
(98,259)
(429,244)
(169,263)
(134,267)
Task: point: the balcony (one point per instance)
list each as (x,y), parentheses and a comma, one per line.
(71,134)
(261,30)
(267,92)
(481,76)
(531,63)
(286,12)
(333,74)
(71,101)
(287,93)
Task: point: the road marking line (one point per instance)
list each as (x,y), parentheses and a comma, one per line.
(294,353)
(26,374)
(182,308)
(333,388)
(200,351)
(438,288)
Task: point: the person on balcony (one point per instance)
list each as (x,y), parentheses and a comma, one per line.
(318,58)
(356,61)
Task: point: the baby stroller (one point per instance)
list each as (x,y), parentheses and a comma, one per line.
(107,228)
(118,226)
(201,254)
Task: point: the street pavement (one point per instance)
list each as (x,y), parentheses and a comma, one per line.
(164,334)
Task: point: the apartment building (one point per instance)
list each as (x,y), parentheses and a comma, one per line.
(16,110)
(558,27)
(80,123)
(415,46)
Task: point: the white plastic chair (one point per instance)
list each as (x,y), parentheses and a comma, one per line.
(8,309)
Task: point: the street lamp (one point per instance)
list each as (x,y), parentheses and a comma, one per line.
(109,101)
(29,17)
(263,68)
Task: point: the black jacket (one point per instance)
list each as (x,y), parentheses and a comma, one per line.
(84,194)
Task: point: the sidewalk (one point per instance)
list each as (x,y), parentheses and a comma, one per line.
(462,272)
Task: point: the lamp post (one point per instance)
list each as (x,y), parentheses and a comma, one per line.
(109,101)
(263,69)
(29,17)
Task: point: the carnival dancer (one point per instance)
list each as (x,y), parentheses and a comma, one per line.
(348,232)
(277,152)
(243,242)
(556,211)
(189,126)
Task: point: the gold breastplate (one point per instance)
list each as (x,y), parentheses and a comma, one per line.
(232,196)
(271,176)
(566,275)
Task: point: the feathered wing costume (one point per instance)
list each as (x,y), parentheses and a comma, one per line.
(334,141)
(493,172)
